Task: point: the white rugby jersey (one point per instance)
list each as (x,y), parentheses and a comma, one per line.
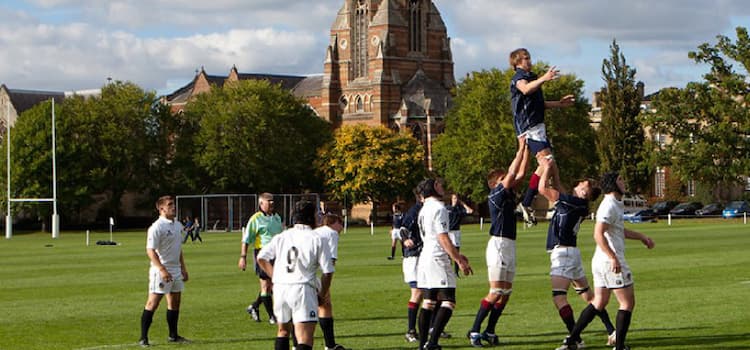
(433,220)
(299,252)
(611,212)
(332,237)
(165,236)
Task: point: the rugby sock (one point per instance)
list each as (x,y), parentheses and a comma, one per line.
(412,315)
(326,324)
(424,326)
(623,323)
(282,343)
(531,191)
(566,314)
(267,300)
(172,317)
(257,302)
(146,317)
(303,347)
(393,251)
(442,316)
(604,316)
(484,310)
(587,315)
(497,311)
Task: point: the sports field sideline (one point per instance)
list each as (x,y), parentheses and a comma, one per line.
(692,292)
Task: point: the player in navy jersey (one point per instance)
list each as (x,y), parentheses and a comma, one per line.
(501,248)
(396,228)
(528,106)
(411,247)
(566,265)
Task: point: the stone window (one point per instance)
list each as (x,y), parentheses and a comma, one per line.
(359,37)
(416,26)
(360,104)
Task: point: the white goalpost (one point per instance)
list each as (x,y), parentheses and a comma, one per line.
(53,200)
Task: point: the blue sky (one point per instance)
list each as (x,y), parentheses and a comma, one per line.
(159,44)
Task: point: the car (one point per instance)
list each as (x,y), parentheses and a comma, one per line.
(736,209)
(686,209)
(710,209)
(645,215)
(663,208)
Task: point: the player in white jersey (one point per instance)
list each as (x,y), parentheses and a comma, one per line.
(610,269)
(435,273)
(332,226)
(299,252)
(167,273)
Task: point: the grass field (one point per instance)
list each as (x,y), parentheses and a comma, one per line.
(692,292)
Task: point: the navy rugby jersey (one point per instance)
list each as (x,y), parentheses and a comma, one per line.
(409,222)
(455,214)
(563,228)
(528,110)
(397,218)
(502,204)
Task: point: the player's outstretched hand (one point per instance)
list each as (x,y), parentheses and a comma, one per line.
(567,100)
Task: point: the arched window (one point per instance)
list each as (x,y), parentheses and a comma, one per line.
(360,104)
(416,38)
(359,36)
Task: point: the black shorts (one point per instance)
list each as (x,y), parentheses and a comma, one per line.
(440,294)
(262,274)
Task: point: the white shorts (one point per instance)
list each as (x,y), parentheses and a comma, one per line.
(157,285)
(396,234)
(409,266)
(501,259)
(435,272)
(536,133)
(566,262)
(605,278)
(455,237)
(298,302)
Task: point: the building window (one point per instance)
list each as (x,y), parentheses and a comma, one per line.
(415,26)
(359,36)
(660,182)
(360,104)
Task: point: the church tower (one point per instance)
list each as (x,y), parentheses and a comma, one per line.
(388,63)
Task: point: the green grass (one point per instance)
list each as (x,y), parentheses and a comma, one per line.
(691,292)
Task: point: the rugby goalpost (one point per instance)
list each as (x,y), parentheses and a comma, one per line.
(53,200)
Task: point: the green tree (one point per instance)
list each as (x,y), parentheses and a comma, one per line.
(102,149)
(370,164)
(254,136)
(709,121)
(620,139)
(479,133)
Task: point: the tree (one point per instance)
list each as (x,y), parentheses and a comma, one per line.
(370,164)
(479,133)
(620,139)
(254,137)
(709,121)
(102,149)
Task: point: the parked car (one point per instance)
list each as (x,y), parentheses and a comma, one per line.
(663,208)
(634,203)
(645,215)
(710,209)
(736,208)
(686,209)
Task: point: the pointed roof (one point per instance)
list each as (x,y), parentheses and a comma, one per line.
(388,14)
(419,89)
(23,100)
